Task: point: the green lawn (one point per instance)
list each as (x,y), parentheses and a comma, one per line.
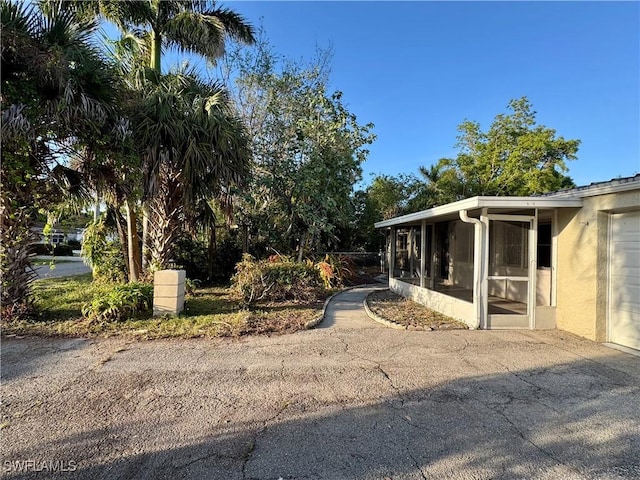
(213,312)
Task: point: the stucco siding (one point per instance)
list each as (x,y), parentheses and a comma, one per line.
(583,246)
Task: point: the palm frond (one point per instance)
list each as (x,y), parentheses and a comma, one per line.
(236,27)
(205,33)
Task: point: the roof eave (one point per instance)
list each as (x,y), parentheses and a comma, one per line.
(481,202)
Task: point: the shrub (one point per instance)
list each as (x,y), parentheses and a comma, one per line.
(334,270)
(267,280)
(190,286)
(55,250)
(75,244)
(228,254)
(120,303)
(103,255)
(190,255)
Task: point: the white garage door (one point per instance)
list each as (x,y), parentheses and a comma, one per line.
(624,293)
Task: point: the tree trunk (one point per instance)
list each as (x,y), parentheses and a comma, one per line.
(124,240)
(135,264)
(145,238)
(16,247)
(211,253)
(156,51)
(96,208)
(303,241)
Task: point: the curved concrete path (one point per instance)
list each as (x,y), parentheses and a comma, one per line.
(346,311)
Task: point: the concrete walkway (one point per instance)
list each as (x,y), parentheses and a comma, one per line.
(345,310)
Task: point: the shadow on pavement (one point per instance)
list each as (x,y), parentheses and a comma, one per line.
(572,420)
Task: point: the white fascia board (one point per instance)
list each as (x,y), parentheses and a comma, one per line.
(482,202)
(465,204)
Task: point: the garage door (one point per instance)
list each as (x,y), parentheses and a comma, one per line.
(624,280)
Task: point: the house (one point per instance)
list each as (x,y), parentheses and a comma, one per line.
(567,260)
(57,236)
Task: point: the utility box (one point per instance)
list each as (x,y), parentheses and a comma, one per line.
(168,292)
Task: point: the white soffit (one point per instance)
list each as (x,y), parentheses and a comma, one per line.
(483,202)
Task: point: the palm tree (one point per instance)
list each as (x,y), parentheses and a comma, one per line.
(193,150)
(194,26)
(57,93)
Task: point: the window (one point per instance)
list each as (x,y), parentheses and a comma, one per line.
(544,245)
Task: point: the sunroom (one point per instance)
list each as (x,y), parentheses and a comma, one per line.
(487,261)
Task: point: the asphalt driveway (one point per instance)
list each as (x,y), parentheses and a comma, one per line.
(352,400)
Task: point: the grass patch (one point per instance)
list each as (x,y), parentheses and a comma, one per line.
(398,309)
(213,312)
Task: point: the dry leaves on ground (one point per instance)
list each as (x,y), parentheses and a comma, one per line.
(393,307)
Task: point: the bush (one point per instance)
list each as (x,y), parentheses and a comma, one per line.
(49,249)
(334,270)
(276,280)
(192,256)
(75,244)
(120,303)
(228,254)
(104,256)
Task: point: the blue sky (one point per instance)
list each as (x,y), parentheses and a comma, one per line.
(418,69)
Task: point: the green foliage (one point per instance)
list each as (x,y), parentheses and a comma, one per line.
(191,286)
(56,95)
(191,255)
(120,303)
(228,253)
(214,312)
(102,254)
(58,250)
(307,148)
(515,156)
(334,270)
(276,280)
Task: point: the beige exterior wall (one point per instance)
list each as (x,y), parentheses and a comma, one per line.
(583,244)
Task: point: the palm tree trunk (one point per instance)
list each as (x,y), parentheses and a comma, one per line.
(211,251)
(96,208)
(156,51)
(124,239)
(145,237)
(135,264)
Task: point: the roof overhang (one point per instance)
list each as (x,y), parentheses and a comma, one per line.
(480,203)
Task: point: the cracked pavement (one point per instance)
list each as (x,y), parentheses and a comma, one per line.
(348,400)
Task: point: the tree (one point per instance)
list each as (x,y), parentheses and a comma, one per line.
(194,26)
(515,156)
(193,150)
(307,150)
(57,93)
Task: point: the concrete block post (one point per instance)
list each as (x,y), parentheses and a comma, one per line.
(168,292)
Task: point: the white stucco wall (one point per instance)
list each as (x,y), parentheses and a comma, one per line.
(445,304)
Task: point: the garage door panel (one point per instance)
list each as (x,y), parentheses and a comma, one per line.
(629,263)
(624,280)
